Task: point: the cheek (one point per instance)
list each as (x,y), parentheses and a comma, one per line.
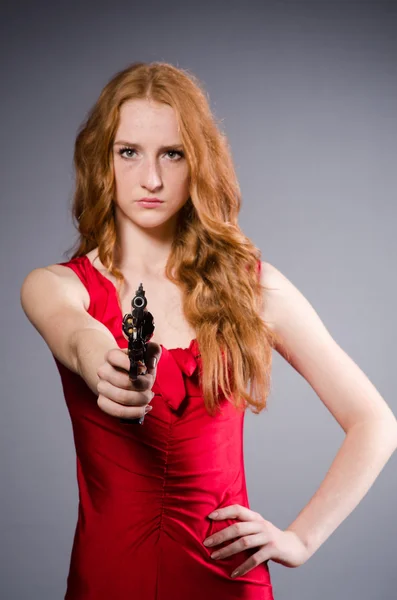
(180,181)
(122,172)
(123,181)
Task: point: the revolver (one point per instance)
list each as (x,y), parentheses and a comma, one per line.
(138,327)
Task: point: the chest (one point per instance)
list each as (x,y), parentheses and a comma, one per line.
(164,301)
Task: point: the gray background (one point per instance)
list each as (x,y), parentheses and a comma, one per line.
(307,94)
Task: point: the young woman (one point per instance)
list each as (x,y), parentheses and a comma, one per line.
(147,493)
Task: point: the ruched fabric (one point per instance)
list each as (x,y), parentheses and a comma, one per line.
(145,491)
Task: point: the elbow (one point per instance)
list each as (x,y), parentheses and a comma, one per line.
(386,429)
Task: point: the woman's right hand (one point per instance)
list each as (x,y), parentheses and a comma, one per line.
(120,397)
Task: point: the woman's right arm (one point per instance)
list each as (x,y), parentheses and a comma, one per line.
(55,302)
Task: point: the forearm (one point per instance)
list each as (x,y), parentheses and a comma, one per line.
(91,346)
(364,452)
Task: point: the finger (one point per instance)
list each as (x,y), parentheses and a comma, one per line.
(152,357)
(142,383)
(117,377)
(117,357)
(236,530)
(120,378)
(236,511)
(119,410)
(244,543)
(122,396)
(263,555)
(121,359)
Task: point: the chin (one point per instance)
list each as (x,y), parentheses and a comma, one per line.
(151,222)
(147,218)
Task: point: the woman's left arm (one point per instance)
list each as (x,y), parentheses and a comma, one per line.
(369,424)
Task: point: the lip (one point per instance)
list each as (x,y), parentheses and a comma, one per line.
(147,200)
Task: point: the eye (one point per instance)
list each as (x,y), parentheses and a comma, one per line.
(177,154)
(122,150)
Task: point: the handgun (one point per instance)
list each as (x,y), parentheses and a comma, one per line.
(138,327)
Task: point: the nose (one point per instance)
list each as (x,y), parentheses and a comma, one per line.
(150,175)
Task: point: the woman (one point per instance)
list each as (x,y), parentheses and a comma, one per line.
(147,493)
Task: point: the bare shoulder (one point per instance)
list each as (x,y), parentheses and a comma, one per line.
(55,301)
(288,312)
(271,277)
(54,278)
(276,287)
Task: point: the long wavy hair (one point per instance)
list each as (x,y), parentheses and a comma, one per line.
(211,260)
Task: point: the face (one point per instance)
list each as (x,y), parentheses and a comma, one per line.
(149,162)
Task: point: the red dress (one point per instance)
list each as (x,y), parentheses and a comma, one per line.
(145,491)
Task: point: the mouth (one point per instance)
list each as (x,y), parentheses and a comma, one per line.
(158,201)
(150,203)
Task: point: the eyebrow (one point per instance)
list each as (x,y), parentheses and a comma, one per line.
(126,143)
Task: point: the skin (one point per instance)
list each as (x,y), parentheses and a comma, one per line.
(146,234)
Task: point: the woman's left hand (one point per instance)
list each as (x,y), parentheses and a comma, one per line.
(284,547)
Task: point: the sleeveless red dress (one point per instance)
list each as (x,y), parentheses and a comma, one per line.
(145,491)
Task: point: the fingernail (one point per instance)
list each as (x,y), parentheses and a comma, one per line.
(148,409)
(154,362)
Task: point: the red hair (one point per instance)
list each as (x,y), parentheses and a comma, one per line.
(214,263)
